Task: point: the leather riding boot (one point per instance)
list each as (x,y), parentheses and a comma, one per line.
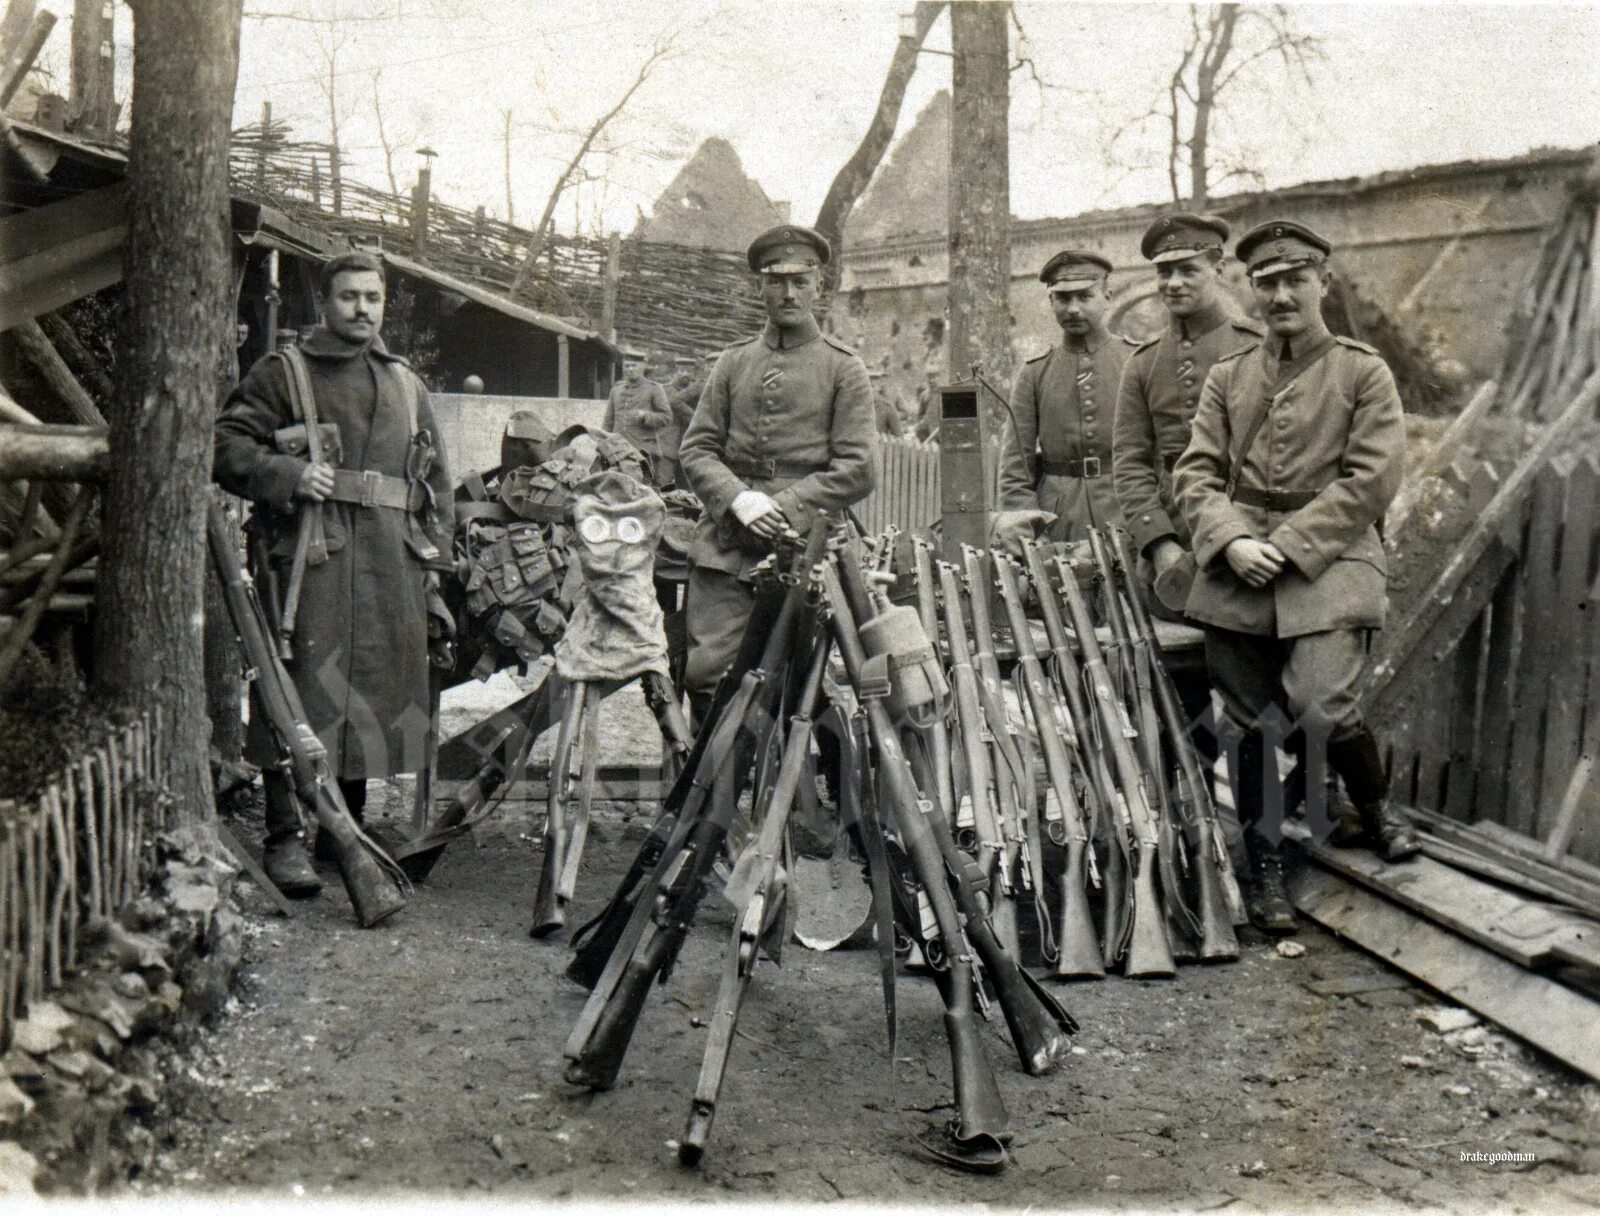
(1357,761)
(1266,899)
(285,861)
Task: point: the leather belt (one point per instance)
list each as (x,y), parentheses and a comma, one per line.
(1089,466)
(766,470)
(369,488)
(1274,500)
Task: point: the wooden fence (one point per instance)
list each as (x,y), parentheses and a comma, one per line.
(907,493)
(71,854)
(1497,715)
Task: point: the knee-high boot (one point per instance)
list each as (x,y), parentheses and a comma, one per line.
(1266,899)
(1360,766)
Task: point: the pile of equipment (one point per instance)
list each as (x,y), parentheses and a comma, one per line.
(991,783)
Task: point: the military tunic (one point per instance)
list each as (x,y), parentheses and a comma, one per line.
(361,639)
(640,413)
(1155,411)
(1061,418)
(1318,476)
(789,413)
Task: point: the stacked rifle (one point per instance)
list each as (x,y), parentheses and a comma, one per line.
(963,833)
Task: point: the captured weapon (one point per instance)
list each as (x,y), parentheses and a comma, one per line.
(1078,952)
(649,918)
(371,878)
(1182,921)
(1148,953)
(1221,904)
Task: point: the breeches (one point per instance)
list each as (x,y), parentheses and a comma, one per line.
(1311,679)
(716,613)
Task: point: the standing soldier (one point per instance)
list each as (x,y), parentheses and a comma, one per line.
(1298,447)
(783,430)
(639,412)
(1056,453)
(381,509)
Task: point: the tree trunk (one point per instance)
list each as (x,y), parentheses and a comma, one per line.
(980,201)
(93,103)
(178,316)
(853,179)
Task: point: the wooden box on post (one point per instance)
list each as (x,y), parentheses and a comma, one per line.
(963,483)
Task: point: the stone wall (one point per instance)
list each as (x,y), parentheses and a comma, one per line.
(470,424)
(1444,249)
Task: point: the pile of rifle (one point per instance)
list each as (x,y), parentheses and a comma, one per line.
(957,824)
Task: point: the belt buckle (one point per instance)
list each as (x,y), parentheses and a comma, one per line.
(1091,466)
(769,469)
(371,479)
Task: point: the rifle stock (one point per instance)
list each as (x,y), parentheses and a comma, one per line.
(1148,952)
(374,893)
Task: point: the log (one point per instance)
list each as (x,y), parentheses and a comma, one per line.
(54,453)
(78,357)
(1428,608)
(17,637)
(71,400)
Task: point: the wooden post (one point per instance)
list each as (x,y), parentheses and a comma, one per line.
(20,54)
(563,366)
(261,149)
(94,65)
(980,202)
(419,211)
(608,299)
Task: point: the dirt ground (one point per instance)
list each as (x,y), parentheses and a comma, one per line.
(423,1058)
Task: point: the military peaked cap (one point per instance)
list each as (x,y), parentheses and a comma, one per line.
(1281,245)
(1182,235)
(1075,269)
(788,249)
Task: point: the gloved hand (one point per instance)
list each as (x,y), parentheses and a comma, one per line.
(1009,529)
(759,513)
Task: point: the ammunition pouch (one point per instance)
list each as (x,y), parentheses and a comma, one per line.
(293,441)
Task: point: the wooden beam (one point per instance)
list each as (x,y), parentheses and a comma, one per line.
(1551,1016)
(53,255)
(20,54)
(54,453)
(1437,598)
(74,404)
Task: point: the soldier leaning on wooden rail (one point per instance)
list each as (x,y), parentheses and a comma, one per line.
(361,642)
(1298,448)
(784,429)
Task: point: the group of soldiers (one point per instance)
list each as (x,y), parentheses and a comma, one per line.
(1249,462)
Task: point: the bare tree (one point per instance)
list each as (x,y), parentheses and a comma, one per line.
(856,173)
(388,145)
(541,231)
(1225,47)
(176,338)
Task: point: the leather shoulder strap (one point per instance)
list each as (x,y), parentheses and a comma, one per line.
(1284,376)
(302,400)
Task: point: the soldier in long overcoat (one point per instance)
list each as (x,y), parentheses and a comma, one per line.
(360,644)
(784,429)
(1055,453)
(1298,448)
(639,411)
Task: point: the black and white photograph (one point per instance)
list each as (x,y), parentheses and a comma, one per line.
(907,605)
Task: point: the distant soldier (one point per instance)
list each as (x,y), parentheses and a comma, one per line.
(783,430)
(886,416)
(1055,455)
(1298,448)
(638,411)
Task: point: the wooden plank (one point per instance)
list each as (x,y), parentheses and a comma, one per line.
(1574,418)
(1466,712)
(1538,656)
(1504,620)
(1430,779)
(1507,872)
(20,56)
(1573,633)
(1551,1016)
(1529,932)
(248,864)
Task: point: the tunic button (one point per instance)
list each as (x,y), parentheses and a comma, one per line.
(1187,344)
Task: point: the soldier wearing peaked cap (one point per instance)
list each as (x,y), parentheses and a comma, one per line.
(1298,448)
(1155,407)
(1055,455)
(784,429)
(639,411)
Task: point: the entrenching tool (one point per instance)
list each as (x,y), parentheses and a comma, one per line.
(371,878)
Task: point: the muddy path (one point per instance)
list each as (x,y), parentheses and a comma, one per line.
(425,1057)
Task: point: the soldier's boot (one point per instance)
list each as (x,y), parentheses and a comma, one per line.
(1267,899)
(1357,761)
(1332,819)
(1266,902)
(285,861)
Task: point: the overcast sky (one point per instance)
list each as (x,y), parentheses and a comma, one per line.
(793,84)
